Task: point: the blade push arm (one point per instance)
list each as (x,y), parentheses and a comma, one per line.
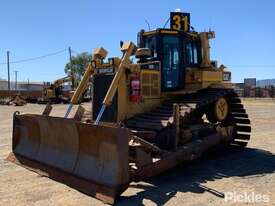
(83,84)
(128,49)
(98,55)
(81,87)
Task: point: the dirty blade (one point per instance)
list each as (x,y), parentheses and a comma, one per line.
(90,158)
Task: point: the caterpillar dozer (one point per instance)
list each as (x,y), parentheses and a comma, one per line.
(162,103)
(54,93)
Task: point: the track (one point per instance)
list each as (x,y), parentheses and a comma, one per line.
(192,107)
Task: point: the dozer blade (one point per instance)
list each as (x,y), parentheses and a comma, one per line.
(92,159)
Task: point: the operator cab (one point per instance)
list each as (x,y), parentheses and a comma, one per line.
(176,48)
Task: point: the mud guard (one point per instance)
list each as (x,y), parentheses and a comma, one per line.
(90,158)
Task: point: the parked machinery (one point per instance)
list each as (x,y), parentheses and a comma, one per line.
(54,93)
(170,105)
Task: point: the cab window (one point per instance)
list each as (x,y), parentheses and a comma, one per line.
(171,53)
(195,52)
(189,53)
(150,43)
(176,56)
(192,53)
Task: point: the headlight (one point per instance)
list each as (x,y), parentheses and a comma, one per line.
(226,76)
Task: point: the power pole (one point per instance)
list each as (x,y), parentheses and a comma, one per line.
(8,65)
(70,54)
(15,79)
(71,65)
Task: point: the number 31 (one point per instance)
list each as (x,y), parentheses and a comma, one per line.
(177,22)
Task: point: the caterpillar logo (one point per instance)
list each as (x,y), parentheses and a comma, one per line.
(180,21)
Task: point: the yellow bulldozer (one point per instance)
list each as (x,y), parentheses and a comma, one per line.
(53,93)
(162,103)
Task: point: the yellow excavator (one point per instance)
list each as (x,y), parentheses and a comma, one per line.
(54,93)
(162,103)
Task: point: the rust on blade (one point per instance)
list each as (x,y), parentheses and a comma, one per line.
(23,141)
(93,159)
(102,192)
(106,151)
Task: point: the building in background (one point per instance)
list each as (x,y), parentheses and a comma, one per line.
(3,84)
(249,86)
(252,88)
(30,86)
(21,86)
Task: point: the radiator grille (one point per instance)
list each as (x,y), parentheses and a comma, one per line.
(150,84)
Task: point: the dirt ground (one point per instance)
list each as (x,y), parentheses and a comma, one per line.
(205,182)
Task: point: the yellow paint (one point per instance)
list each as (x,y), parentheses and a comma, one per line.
(168,32)
(212,76)
(176,22)
(185,23)
(126,108)
(148,33)
(152,86)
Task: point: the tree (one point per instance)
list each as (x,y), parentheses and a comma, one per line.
(78,64)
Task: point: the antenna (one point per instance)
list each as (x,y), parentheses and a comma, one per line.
(148,24)
(166,22)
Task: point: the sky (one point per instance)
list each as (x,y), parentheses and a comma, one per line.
(245,32)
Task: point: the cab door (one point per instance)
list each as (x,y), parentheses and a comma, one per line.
(172,71)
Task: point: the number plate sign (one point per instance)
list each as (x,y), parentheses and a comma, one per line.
(180,21)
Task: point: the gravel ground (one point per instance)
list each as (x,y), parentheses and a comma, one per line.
(205,182)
